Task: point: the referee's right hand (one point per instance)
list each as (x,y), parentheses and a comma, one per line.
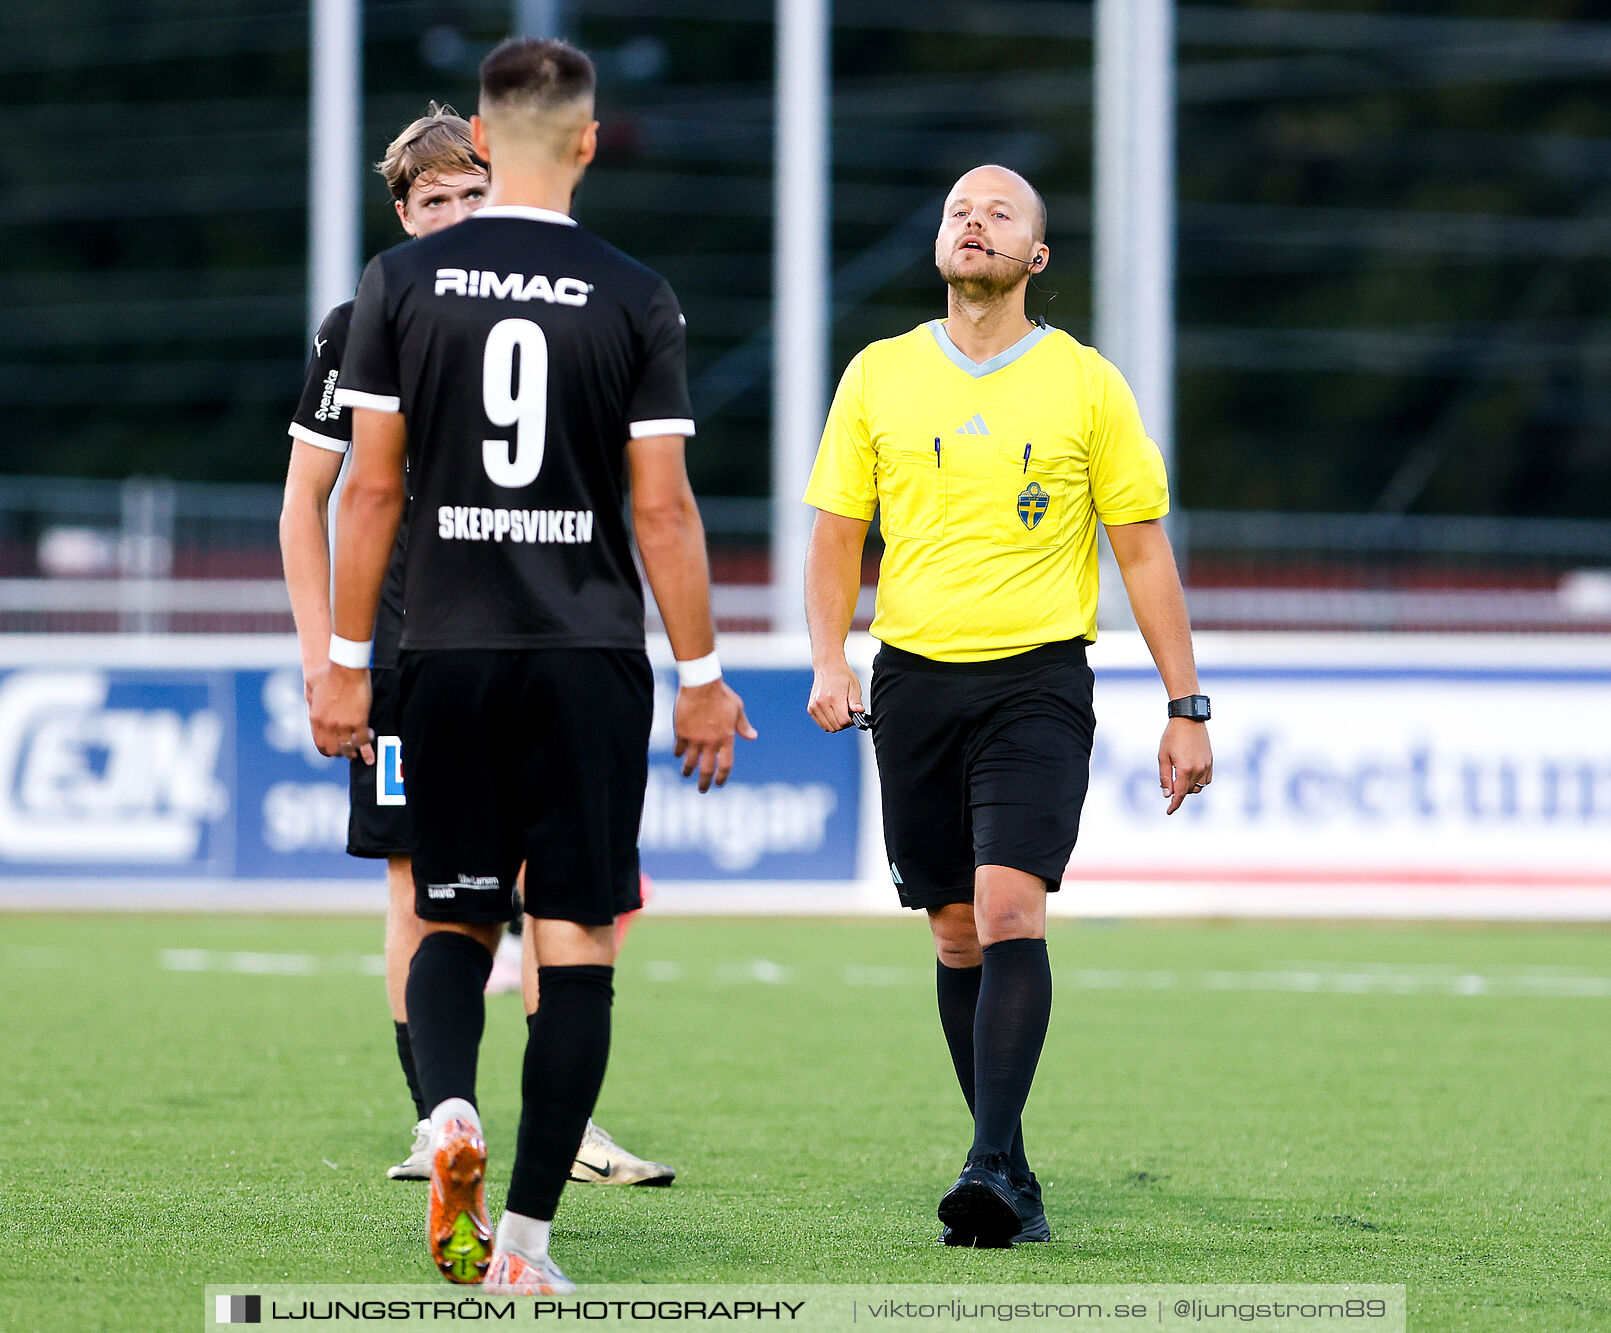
(835,695)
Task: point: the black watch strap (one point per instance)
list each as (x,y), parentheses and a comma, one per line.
(1193,706)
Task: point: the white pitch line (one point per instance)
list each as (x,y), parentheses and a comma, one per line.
(1363,979)
(1339,979)
(1371,981)
(754,969)
(253,963)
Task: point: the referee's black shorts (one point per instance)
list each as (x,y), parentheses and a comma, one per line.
(377,821)
(528,755)
(980,763)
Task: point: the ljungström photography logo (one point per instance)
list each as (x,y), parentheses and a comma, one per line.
(238,1310)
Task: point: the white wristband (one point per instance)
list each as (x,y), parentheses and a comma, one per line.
(350,653)
(699,671)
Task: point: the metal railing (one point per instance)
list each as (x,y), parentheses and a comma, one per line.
(150,555)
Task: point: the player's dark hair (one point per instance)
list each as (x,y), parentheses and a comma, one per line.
(543,73)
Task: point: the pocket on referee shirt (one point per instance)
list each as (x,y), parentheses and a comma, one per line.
(911,493)
(1031,500)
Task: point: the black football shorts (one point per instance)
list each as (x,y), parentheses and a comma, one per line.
(377,822)
(534,755)
(980,763)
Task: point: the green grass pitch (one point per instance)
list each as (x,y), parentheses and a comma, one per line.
(1217,1103)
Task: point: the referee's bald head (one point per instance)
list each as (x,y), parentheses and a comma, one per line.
(976,180)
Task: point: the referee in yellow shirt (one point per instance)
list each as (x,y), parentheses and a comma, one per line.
(992,447)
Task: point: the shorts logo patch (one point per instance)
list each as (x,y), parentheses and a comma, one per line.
(389,771)
(1032,505)
(482,883)
(895,873)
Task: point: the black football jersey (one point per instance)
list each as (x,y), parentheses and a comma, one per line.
(323,423)
(523,353)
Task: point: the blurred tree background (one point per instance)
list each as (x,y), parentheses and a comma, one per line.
(1393,248)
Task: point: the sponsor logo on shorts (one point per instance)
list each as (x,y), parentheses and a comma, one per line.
(389,771)
(1032,505)
(479,883)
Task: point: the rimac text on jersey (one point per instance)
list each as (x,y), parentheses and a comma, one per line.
(511,286)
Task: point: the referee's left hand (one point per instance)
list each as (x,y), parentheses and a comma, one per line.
(1185,760)
(705,720)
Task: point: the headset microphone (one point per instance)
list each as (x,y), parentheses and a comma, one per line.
(1027,263)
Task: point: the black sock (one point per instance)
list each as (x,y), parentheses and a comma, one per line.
(957,989)
(1015,1005)
(446,1013)
(567,1048)
(405,1057)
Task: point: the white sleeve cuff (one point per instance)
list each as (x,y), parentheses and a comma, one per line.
(375,402)
(318,441)
(643,430)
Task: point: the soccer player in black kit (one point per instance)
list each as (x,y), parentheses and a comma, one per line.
(436,181)
(527,372)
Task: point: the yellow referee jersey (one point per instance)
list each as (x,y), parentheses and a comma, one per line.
(990,479)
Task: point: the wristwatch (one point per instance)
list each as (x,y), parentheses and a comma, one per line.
(1193,706)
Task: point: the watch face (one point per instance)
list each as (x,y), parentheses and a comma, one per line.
(1193,706)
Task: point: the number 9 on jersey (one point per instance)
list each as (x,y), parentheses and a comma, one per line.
(521,402)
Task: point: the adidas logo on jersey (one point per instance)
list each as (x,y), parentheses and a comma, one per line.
(511,286)
(974,427)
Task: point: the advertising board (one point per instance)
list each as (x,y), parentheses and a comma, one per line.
(1354,776)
